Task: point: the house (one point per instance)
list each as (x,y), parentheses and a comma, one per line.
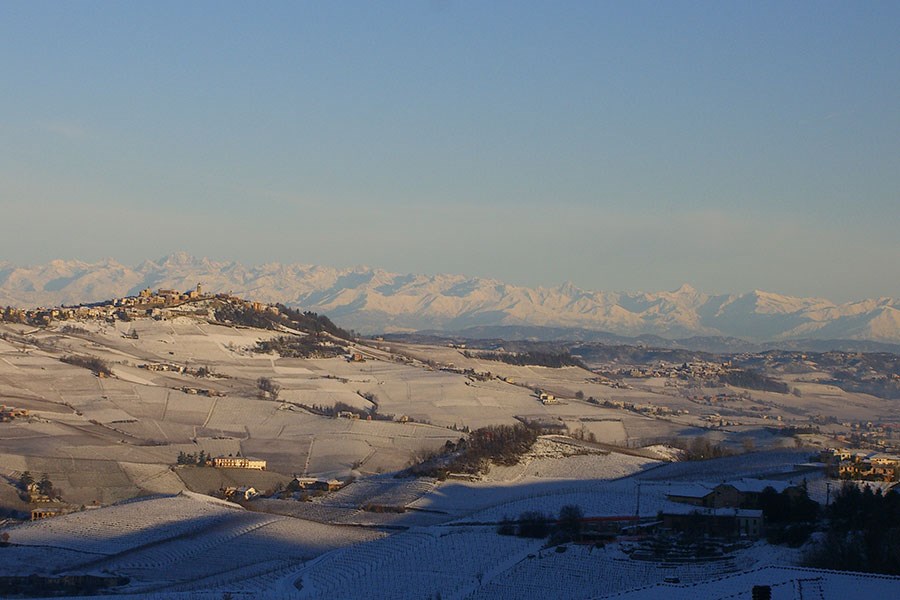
(885,466)
(46,512)
(693,494)
(246,493)
(305,483)
(721,522)
(320,485)
(238,462)
(240,493)
(745,493)
(35,494)
(333,485)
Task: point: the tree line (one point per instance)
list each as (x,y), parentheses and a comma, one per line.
(308,346)
(96,365)
(538,358)
(499,444)
(862,534)
(308,321)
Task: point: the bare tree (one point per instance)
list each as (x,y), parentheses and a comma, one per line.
(268,388)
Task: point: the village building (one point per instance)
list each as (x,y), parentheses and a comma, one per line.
(718,522)
(859,464)
(320,485)
(238,462)
(746,493)
(46,512)
(246,492)
(692,494)
(548,398)
(35,495)
(239,493)
(741,493)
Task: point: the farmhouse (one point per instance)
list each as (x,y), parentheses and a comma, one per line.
(313,484)
(548,398)
(742,493)
(246,492)
(745,493)
(35,494)
(693,494)
(239,462)
(723,522)
(240,493)
(46,512)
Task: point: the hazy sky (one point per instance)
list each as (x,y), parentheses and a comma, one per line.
(622,146)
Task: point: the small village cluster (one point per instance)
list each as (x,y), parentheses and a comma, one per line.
(10,413)
(861,465)
(691,370)
(147,303)
(729,508)
(644,409)
(868,434)
(299,488)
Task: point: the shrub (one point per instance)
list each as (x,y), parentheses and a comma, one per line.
(98,366)
(533,524)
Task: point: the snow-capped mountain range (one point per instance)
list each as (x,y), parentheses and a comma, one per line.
(372,300)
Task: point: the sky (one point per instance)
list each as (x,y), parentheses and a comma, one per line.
(618,145)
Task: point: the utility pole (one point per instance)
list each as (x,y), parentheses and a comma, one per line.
(637,509)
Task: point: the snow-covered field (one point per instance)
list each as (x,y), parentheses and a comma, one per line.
(188,541)
(90,435)
(102,441)
(190,546)
(553,459)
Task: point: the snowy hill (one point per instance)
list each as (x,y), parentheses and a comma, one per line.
(372,300)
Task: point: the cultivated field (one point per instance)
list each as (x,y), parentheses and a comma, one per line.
(109,445)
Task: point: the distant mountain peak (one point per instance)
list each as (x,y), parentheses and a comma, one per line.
(685,288)
(570,289)
(177,259)
(373,300)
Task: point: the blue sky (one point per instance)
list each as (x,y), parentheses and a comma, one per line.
(622,146)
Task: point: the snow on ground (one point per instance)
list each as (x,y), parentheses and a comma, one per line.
(666,453)
(187,546)
(583,572)
(786,583)
(114,529)
(174,543)
(193,550)
(762,465)
(421,563)
(553,459)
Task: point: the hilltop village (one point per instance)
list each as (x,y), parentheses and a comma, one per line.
(147,303)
